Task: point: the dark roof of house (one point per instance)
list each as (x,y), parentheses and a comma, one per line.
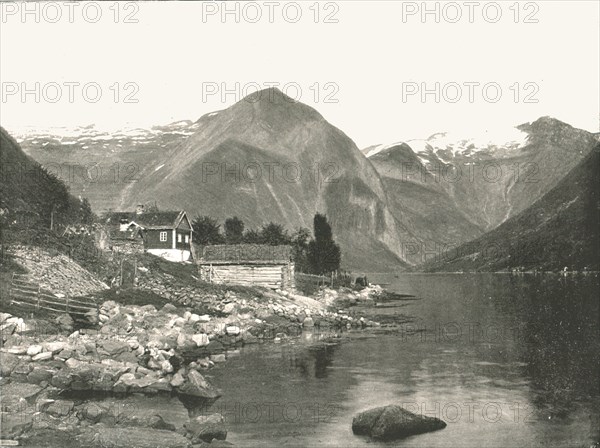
(246,253)
(147,220)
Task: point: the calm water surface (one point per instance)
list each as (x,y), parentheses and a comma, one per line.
(506,361)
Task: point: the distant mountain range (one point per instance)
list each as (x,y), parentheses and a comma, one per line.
(561,229)
(279,160)
(451,190)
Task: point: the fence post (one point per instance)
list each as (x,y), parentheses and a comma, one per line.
(38,298)
(10,289)
(67,303)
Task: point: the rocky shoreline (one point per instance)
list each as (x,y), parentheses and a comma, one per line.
(143,367)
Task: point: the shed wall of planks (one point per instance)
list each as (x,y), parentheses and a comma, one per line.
(268,275)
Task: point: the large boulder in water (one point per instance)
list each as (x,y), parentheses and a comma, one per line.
(393,422)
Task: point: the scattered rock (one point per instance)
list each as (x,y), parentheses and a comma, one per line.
(197,386)
(34,350)
(60,408)
(65,322)
(8,362)
(206,428)
(15,424)
(233,330)
(218,358)
(132,437)
(42,356)
(177,380)
(39,374)
(229,308)
(112,347)
(55,347)
(201,339)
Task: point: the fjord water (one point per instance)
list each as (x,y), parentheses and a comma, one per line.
(505,360)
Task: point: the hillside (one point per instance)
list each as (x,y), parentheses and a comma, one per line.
(559,230)
(450,190)
(36,208)
(31,198)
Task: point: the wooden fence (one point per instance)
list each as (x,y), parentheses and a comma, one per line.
(310,283)
(28,294)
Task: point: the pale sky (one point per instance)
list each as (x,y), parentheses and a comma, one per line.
(370,61)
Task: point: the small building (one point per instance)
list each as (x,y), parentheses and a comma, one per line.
(248,264)
(166,234)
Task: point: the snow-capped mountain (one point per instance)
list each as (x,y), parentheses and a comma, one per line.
(453,189)
(447,145)
(85,136)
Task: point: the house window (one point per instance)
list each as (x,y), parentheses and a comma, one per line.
(163,236)
(187,238)
(179,237)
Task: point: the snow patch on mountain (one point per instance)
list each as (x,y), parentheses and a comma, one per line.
(379,148)
(447,145)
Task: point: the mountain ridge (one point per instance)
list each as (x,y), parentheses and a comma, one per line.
(396,198)
(561,229)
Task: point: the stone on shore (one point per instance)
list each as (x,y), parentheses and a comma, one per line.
(393,422)
(60,408)
(15,396)
(34,350)
(158,412)
(8,362)
(12,425)
(177,380)
(133,437)
(232,330)
(205,428)
(44,356)
(197,386)
(308,322)
(201,339)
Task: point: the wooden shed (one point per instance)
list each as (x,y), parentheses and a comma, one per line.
(248,264)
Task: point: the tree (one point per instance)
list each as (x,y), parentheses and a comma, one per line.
(252,236)
(299,241)
(151,208)
(234,230)
(207,231)
(323,253)
(274,234)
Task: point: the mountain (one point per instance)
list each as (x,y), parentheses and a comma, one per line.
(274,159)
(560,229)
(279,160)
(31,198)
(449,189)
(268,160)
